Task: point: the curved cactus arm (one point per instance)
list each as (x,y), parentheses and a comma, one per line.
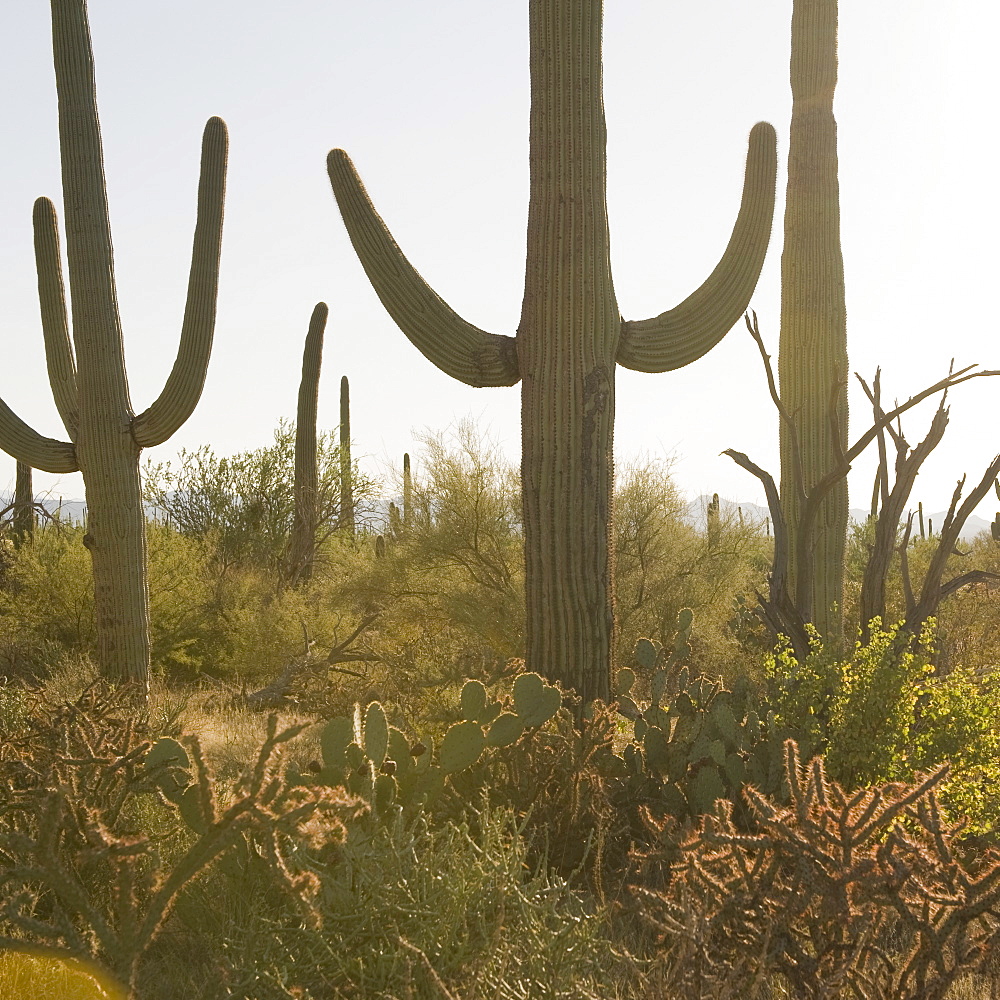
(55,324)
(187,378)
(26,445)
(458,348)
(683,334)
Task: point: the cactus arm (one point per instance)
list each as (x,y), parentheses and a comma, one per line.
(55,324)
(458,348)
(183,388)
(26,445)
(683,334)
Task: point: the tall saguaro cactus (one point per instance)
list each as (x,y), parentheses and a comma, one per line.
(570,336)
(302,545)
(87,375)
(812,357)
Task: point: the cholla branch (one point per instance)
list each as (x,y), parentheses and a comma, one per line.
(822,886)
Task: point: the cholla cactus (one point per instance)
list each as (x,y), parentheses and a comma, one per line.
(825,890)
(570,337)
(87,375)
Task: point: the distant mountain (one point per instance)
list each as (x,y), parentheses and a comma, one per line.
(70,511)
(695,515)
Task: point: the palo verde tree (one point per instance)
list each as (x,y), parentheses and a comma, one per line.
(87,374)
(570,337)
(812,355)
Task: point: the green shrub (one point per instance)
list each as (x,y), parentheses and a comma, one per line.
(884,713)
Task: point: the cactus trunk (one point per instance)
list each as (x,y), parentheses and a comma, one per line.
(89,383)
(302,545)
(407,494)
(813,344)
(346,520)
(570,337)
(24,504)
(567,341)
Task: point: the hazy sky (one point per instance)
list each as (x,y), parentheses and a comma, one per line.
(431,101)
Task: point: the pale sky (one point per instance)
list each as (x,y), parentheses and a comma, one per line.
(431,101)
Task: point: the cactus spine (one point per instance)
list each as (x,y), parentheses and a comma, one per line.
(346,473)
(570,336)
(302,547)
(88,377)
(813,343)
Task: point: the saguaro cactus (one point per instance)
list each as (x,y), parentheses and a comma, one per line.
(23,521)
(302,545)
(346,520)
(88,375)
(407,493)
(570,336)
(812,357)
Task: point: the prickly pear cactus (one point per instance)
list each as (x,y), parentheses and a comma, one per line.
(695,741)
(375,761)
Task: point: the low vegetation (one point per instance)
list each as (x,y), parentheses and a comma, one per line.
(352,787)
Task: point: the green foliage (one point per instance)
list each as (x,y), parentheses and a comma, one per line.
(663,564)
(411,910)
(885,714)
(245,503)
(695,741)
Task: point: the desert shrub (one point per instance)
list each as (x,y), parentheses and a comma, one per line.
(465,542)
(883,713)
(416,910)
(246,502)
(99,831)
(664,564)
(49,591)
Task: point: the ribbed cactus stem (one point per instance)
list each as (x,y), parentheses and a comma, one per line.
(920,516)
(570,337)
(407,493)
(24,504)
(302,545)
(88,374)
(813,343)
(713,521)
(346,471)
